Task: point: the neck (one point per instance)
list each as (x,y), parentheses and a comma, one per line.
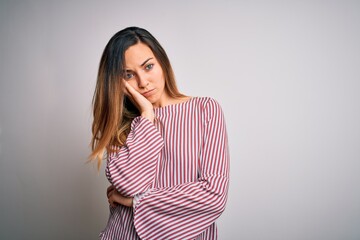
(170,101)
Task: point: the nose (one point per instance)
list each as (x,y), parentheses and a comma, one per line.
(142,80)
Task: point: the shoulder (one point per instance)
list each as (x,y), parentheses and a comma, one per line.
(206,103)
(208,106)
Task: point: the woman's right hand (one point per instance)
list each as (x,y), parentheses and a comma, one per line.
(145,107)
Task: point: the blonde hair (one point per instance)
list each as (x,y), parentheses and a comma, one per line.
(113,112)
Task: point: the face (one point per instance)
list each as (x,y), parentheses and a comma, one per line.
(144,73)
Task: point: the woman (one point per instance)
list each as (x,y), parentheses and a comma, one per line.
(167,153)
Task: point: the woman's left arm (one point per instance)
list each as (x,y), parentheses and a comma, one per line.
(186,210)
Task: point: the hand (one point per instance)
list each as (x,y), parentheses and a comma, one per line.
(145,107)
(115,198)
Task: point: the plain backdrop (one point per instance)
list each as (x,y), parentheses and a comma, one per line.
(287,74)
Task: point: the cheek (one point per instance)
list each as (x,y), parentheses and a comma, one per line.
(160,76)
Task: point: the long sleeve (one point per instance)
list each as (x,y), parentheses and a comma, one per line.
(131,168)
(185,210)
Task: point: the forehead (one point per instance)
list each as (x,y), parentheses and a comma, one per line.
(137,54)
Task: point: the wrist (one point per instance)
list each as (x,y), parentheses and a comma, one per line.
(149,115)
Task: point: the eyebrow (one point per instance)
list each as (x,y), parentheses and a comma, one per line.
(128,70)
(146,61)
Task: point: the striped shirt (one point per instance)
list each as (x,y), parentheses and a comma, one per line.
(179,165)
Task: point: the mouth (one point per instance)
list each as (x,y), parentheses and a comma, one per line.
(148,93)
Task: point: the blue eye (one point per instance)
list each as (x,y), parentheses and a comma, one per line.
(149,66)
(128,75)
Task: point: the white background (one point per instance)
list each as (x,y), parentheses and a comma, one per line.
(285,72)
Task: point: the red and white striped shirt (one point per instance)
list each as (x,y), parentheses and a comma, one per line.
(181,163)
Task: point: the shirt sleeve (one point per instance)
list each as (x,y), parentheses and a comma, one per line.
(186,210)
(131,168)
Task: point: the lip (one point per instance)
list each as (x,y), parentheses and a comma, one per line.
(148,93)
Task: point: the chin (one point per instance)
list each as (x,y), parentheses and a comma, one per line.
(152,100)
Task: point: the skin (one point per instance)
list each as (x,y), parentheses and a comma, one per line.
(145,86)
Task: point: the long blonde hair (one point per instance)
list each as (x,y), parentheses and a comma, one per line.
(113,112)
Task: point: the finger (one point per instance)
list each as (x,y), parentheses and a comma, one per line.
(130,92)
(126,91)
(137,98)
(109,189)
(128,88)
(135,95)
(112,203)
(111,193)
(120,199)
